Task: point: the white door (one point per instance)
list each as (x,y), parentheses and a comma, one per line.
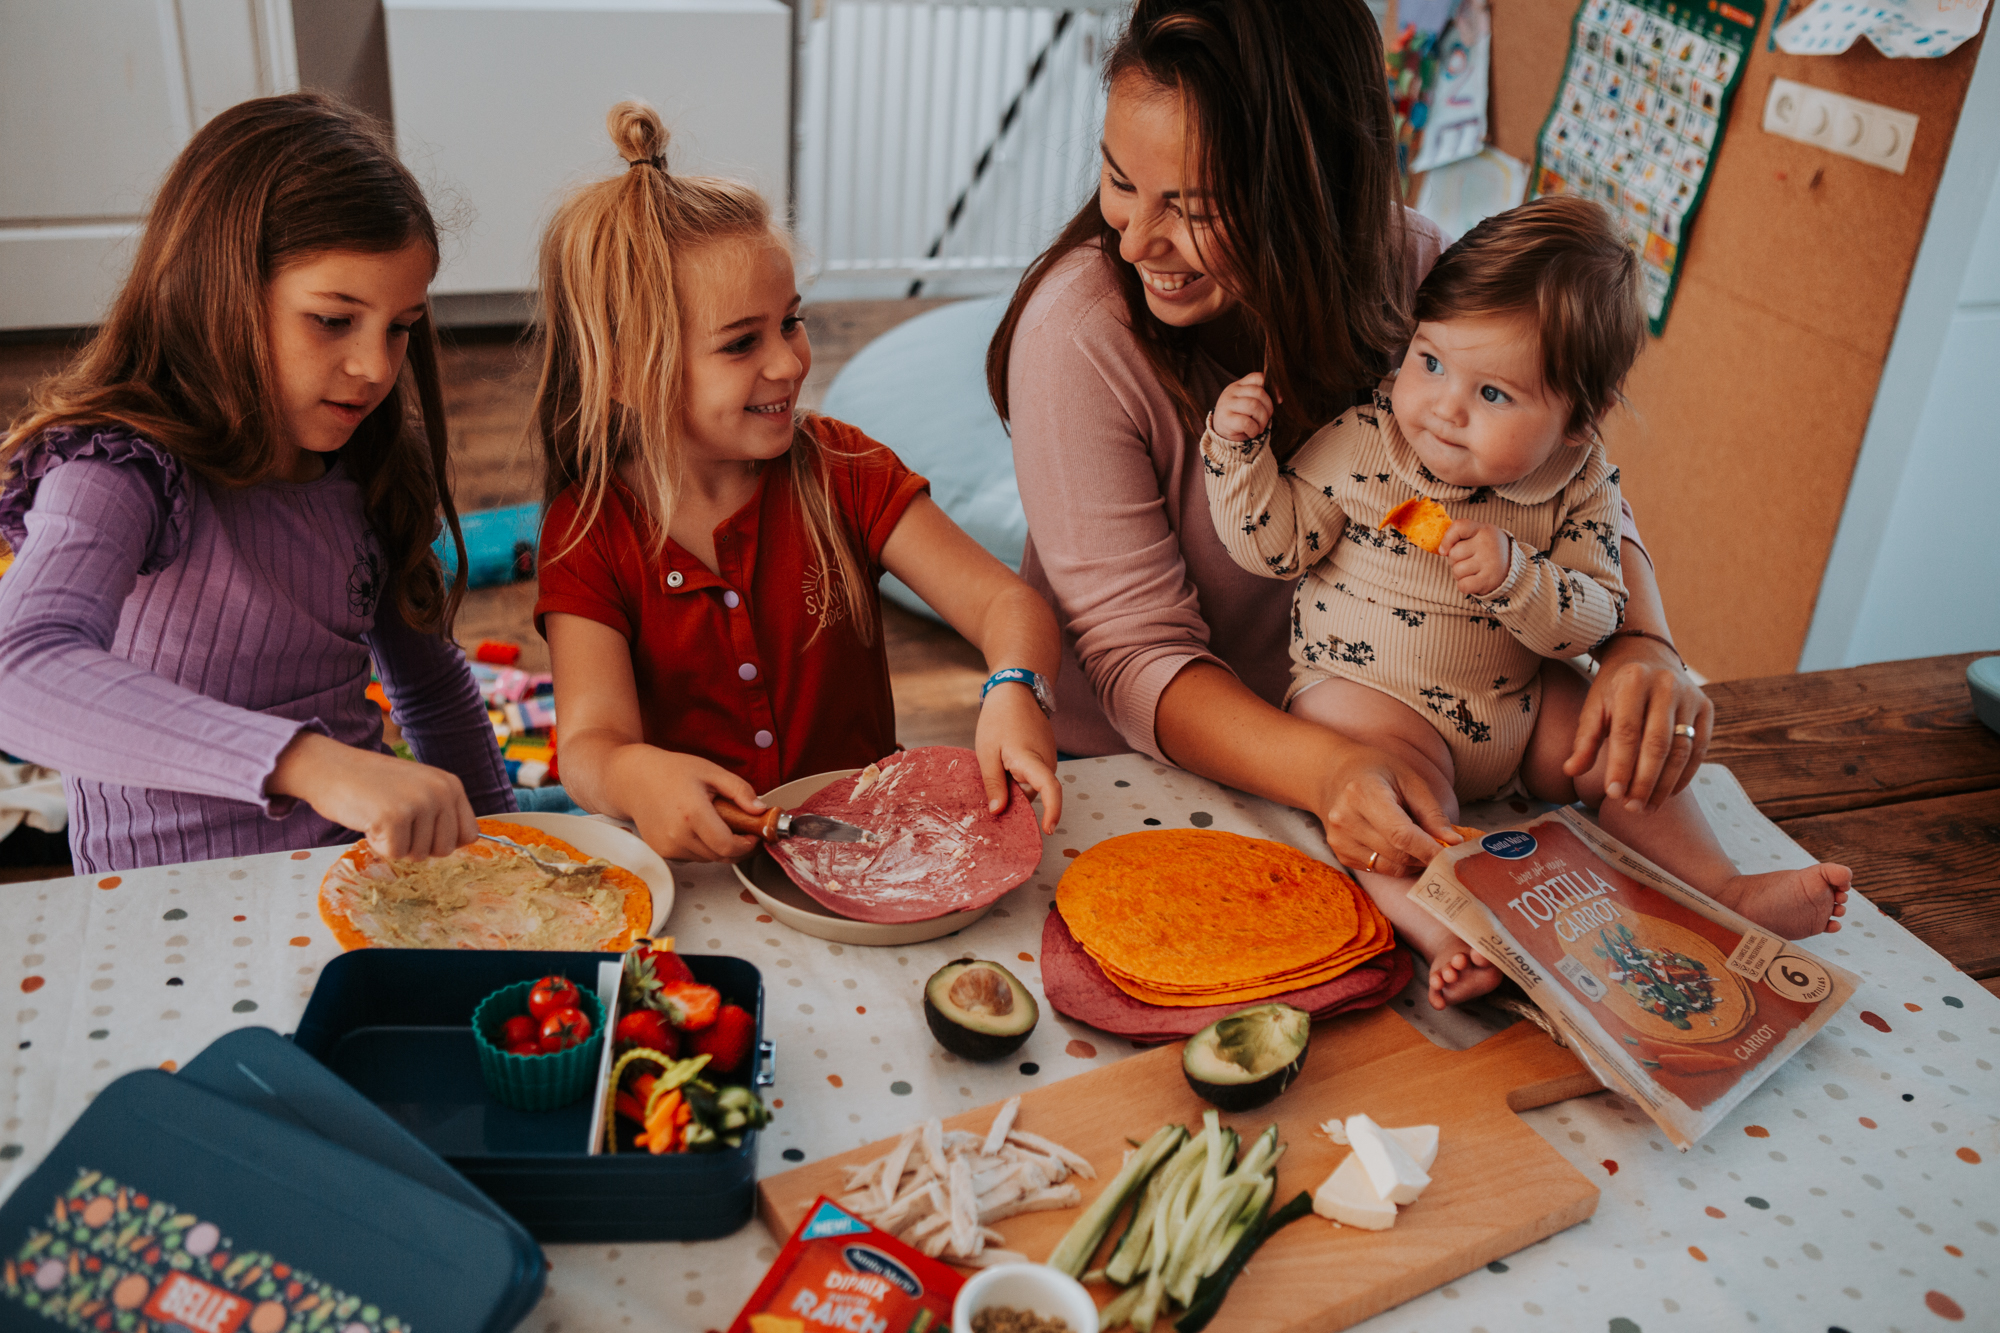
(96,98)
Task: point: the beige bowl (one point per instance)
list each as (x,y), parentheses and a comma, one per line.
(774,890)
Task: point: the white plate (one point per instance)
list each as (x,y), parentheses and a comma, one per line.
(789,903)
(595,837)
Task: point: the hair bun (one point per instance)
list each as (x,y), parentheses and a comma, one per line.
(637,133)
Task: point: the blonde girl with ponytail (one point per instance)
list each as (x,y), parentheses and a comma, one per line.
(710,554)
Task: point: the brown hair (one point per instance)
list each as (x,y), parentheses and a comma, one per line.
(613,306)
(184,360)
(1291,139)
(1561,260)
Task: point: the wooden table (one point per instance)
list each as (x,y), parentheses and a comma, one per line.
(1885,769)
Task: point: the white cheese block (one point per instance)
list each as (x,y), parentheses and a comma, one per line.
(1391,1170)
(1347,1197)
(1420,1142)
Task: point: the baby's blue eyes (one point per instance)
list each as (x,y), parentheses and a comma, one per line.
(1431,363)
(1493,395)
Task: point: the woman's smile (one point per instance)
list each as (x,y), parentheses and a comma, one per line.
(1169,286)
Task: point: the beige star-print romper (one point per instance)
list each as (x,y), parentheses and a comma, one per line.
(1376,609)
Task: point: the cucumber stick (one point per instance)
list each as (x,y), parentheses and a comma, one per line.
(1209,1295)
(1128,1259)
(1072,1253)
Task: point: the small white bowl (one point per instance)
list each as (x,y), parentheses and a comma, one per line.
(1033,1287)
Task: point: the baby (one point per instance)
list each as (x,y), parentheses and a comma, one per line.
(1524,332)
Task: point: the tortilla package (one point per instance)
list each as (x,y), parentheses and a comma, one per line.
(839,1273)
(1670,998)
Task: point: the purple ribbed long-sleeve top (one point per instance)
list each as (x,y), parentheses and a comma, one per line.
(162,640)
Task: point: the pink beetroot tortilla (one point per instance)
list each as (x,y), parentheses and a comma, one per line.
(938,850)
(1077,987)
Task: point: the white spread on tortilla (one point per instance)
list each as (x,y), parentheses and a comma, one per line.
(489,898)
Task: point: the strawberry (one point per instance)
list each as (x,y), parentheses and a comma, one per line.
(726,1041)
(649,966)
(648,1028)
(687,1006)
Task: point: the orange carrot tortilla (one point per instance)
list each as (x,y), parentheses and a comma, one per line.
(1423,520)
(345,871)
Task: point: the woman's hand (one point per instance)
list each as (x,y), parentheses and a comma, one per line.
(1378,811)
(1243,412)
(671,798)
(405,809)
(1640,695)
(1014,738)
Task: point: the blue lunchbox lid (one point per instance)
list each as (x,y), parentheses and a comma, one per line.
(173,1201)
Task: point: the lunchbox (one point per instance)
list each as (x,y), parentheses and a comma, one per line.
(396,1024)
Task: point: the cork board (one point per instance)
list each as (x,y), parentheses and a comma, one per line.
(1759,391)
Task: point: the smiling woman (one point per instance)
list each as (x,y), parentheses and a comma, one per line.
(223,510)
(1245,222)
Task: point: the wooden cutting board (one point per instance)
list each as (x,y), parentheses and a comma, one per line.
(1496,1186)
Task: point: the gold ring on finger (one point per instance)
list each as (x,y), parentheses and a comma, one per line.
(1372,858)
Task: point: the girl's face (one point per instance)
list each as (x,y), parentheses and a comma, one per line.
(1471,402)
(1163,221)
(339,324)
(746,351)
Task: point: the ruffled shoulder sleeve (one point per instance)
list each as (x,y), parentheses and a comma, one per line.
(166,477)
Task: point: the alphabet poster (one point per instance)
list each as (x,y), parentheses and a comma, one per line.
(1638,121)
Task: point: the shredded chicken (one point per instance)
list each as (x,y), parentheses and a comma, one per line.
(939,1190)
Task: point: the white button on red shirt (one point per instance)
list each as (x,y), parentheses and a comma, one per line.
(764,740)
(731,600)
(748,671)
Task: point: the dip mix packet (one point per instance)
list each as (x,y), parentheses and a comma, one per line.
(1670,998)
(839,1273)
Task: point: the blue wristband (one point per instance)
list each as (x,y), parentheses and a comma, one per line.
(1037,684)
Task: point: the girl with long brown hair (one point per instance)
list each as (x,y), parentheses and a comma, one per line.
(710,556)
(1245,220)
(224,508)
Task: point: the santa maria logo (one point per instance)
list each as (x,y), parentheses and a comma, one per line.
(1511,845)
(863,1259)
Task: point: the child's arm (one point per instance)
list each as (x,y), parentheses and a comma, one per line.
(73,705)
(607,765)
(1558,602)
(438,708)
(1272,520)
(1010,625)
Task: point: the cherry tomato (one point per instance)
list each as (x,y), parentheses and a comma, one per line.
(551,994)
(649,1028)
(563,1029)
(526,1048)
(520,1029)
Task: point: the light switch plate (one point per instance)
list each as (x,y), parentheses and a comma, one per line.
(1864,131)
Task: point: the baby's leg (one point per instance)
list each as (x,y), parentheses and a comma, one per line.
(1371,717)
(1793,903)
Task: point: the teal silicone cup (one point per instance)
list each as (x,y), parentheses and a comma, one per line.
(535,1082)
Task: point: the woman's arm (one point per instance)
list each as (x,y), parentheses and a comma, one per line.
(607,766)
(1641,693)
(1212,724)
(1012,627)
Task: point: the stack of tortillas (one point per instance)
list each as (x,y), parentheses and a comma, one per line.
(1196,917)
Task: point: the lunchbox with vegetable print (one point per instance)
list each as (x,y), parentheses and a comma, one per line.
(397,1025)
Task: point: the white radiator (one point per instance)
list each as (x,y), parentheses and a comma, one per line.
(940,146)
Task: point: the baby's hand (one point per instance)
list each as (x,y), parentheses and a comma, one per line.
(1480,556)
(1243,412)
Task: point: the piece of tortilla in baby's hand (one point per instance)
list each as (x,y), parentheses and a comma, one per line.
(1423,520)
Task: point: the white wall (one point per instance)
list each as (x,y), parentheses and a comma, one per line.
(1915,567)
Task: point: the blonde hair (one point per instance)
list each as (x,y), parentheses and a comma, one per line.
(613,318)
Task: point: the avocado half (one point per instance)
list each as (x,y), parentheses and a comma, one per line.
(978,1009)
(1247,1058)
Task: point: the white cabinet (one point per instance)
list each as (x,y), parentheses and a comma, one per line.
(500,105)
(96,98)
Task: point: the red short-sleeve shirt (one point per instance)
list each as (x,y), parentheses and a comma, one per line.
(726,664)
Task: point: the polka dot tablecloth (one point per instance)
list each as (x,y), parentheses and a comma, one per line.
(1855,1190)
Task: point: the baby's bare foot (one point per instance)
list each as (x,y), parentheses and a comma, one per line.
(1458,977)
(1796,904)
